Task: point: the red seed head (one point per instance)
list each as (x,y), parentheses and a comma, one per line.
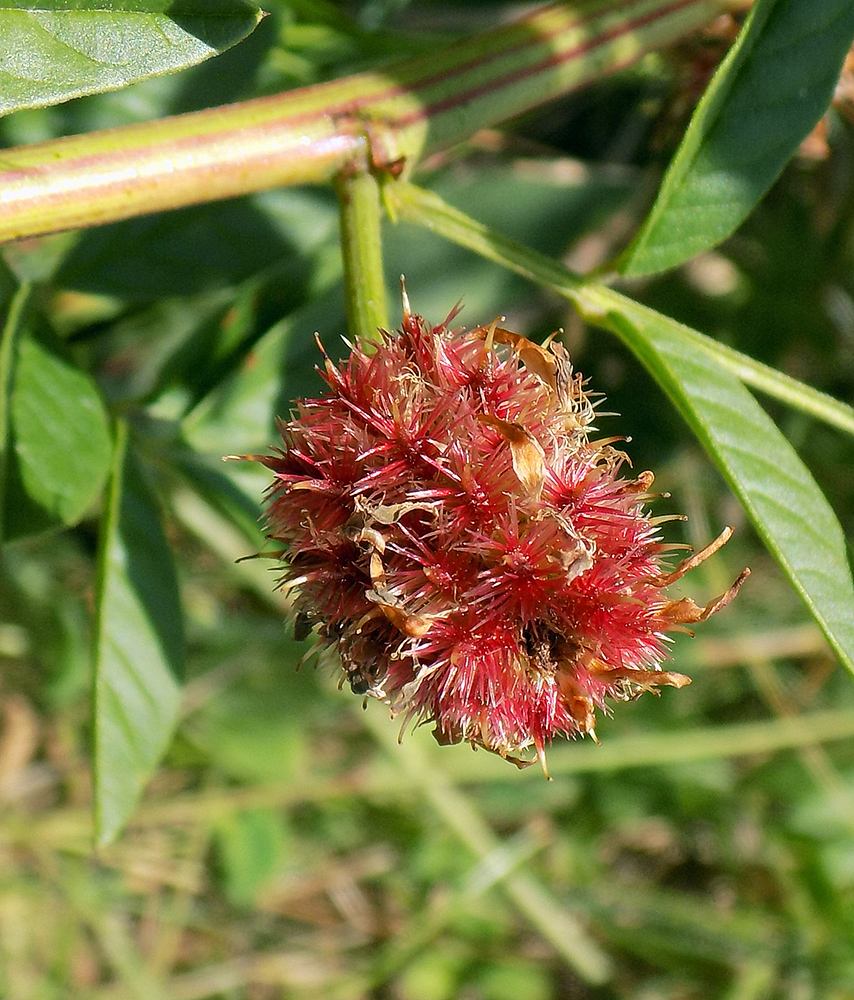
(476,560)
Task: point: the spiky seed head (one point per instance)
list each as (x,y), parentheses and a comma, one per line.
(476,558)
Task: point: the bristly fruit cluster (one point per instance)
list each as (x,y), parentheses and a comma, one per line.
(475,559)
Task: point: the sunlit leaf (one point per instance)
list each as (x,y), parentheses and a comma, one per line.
(139,646)
(53,50)
(772,88)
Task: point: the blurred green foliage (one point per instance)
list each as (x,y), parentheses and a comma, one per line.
(288,847)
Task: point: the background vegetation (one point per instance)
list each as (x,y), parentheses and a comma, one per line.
(287,846)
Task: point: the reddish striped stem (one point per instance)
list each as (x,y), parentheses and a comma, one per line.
(370,121)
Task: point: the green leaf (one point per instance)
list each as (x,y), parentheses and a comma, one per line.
(60,441)
(139,646)
(53,50)
(53,426)
(13,303)
(777,490)
(189,251)
(240,414)
(769,92)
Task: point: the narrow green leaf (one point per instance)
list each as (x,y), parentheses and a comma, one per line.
(59,437)
(13,301)
(769,92)
(781,497)
(139,646)
(53,50)
(777,490)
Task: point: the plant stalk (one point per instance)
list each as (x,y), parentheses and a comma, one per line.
(361,248)
(370,120)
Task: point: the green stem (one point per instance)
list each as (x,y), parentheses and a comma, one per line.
(361,248)
(594,301)
(372,120)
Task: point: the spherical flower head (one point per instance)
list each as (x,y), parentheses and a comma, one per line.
(477,561)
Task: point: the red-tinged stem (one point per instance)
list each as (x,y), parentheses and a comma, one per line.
(366,122)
